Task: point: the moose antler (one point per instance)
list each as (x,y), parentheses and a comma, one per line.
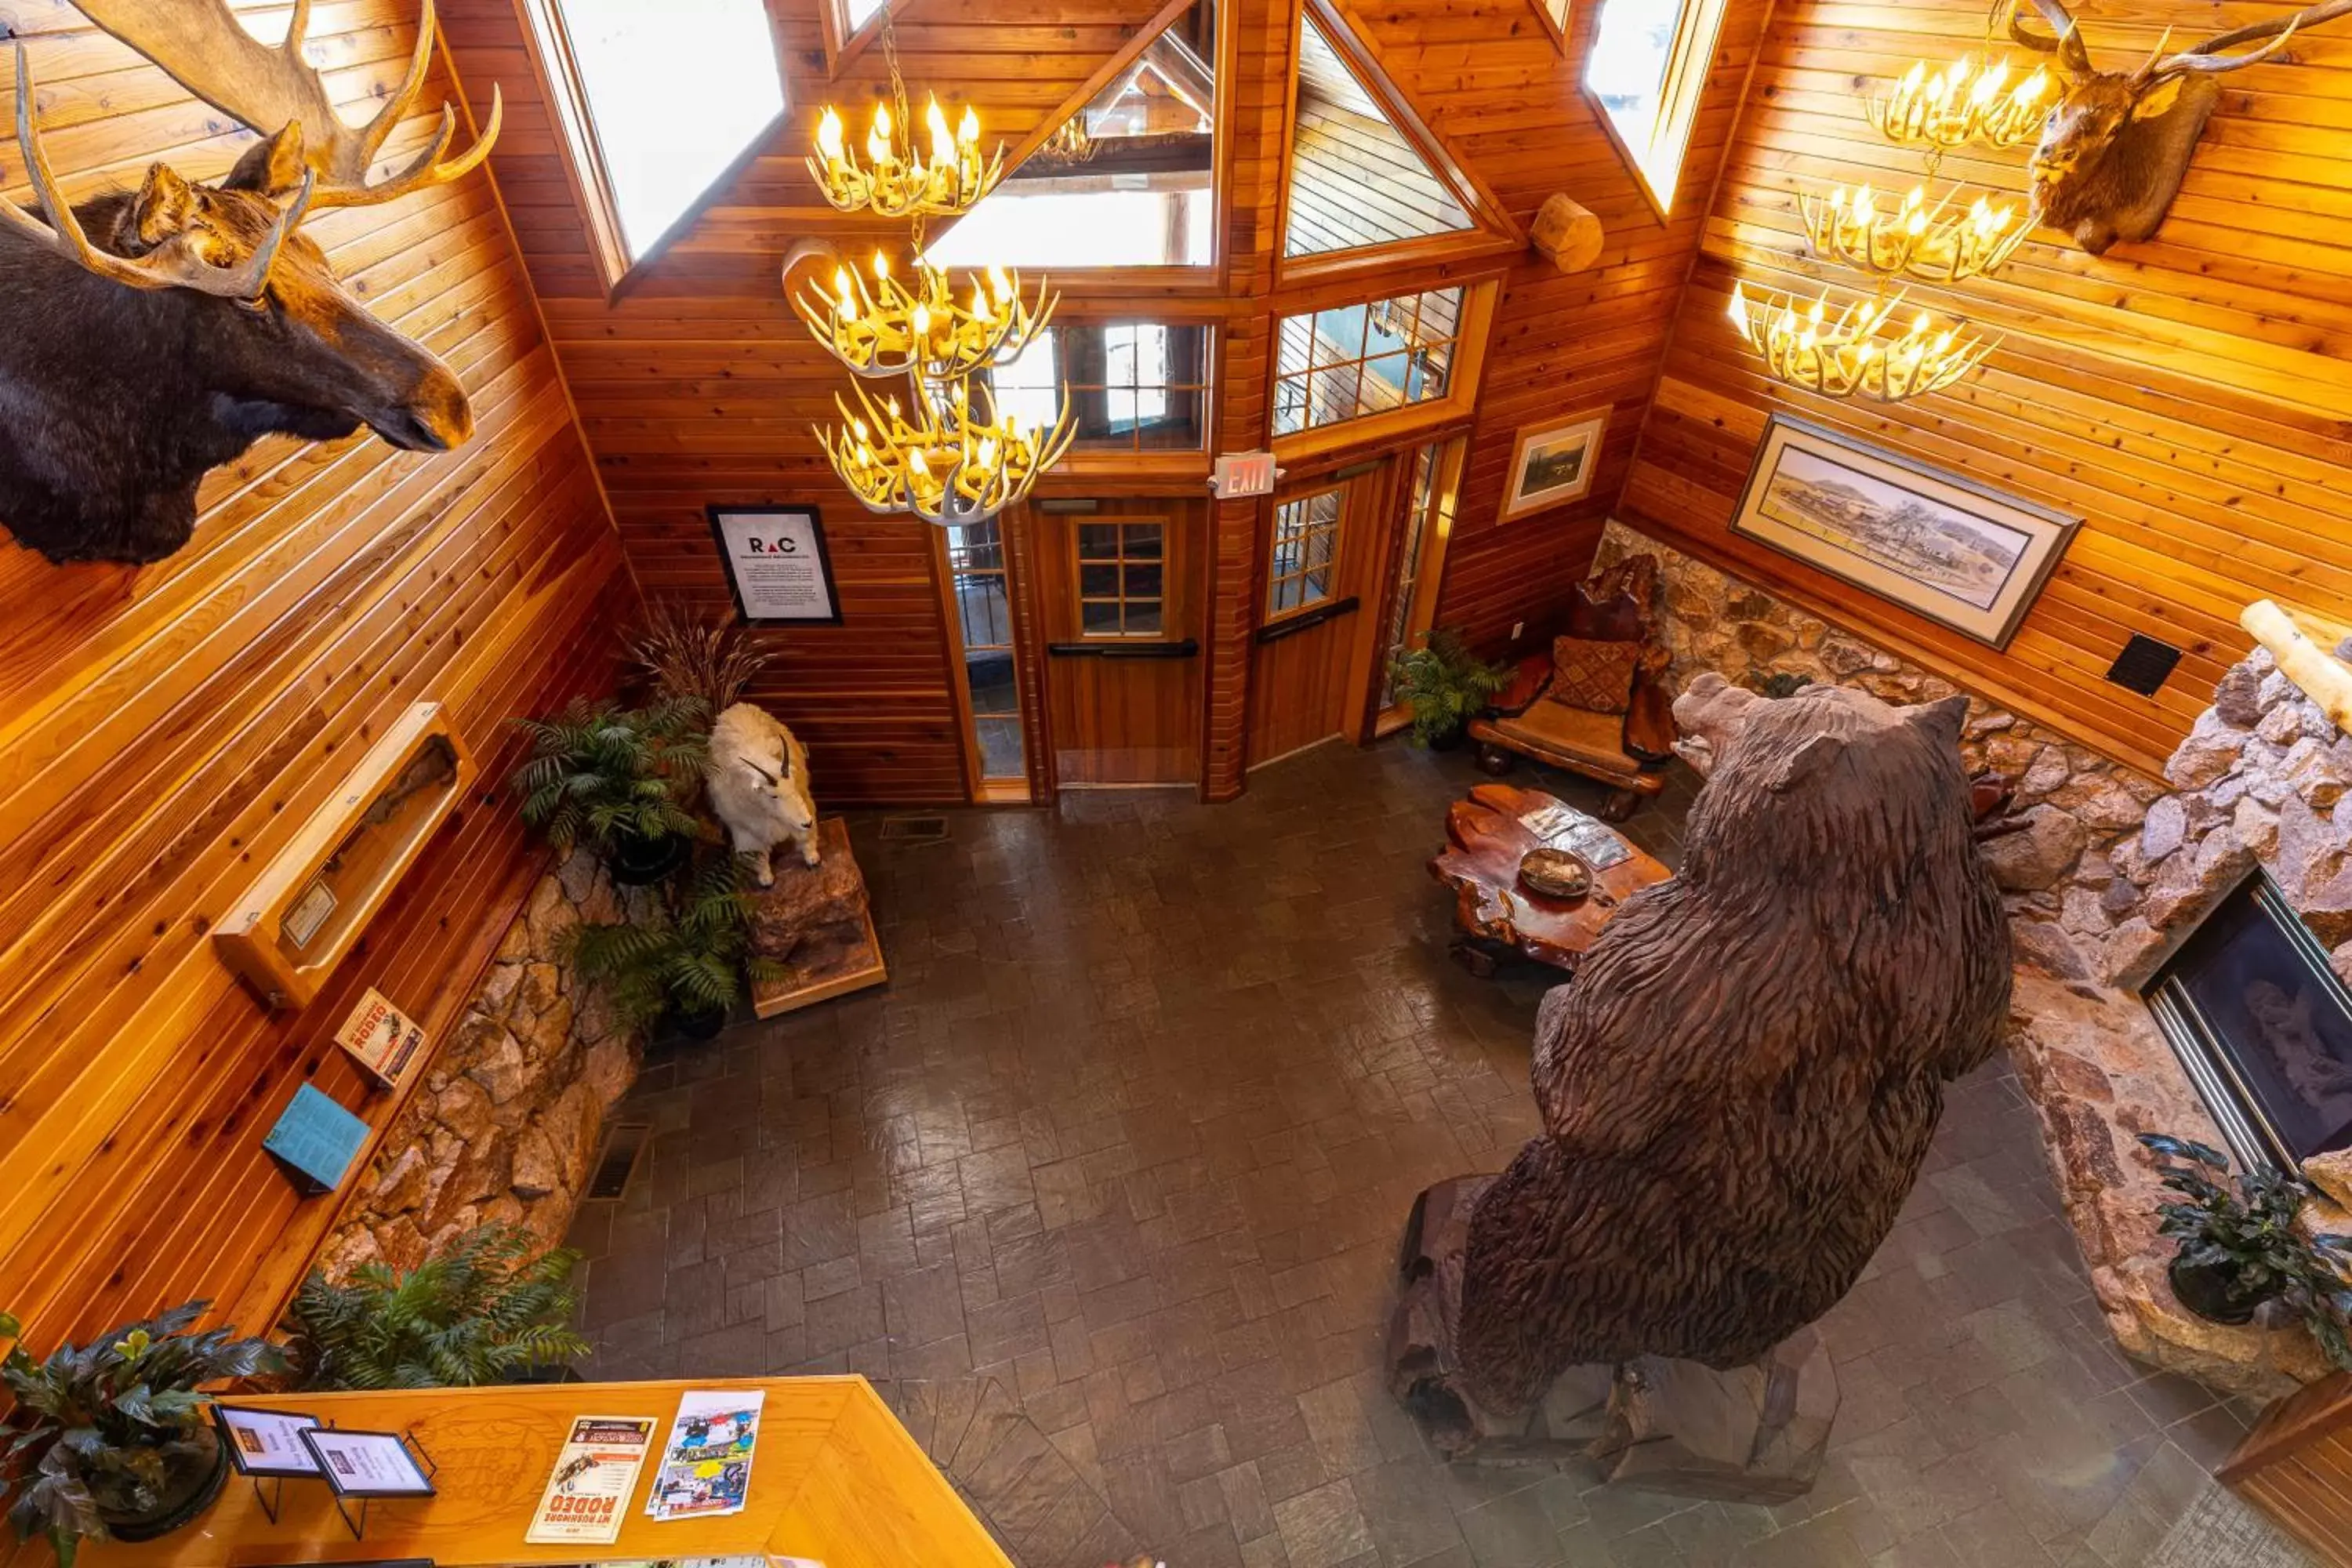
(172,265)
(2212,54)
(2065,40)
(200,44)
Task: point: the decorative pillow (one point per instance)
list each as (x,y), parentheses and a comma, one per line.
(1593,675)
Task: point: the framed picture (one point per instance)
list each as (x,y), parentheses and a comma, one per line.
(266,1442)
(1964,555)
(777,565)
(1552,464)
(367,1463)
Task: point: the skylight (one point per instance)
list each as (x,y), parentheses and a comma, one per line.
(1356,180)
(667,98)
(861,12)
(1648,70)
(1128,180)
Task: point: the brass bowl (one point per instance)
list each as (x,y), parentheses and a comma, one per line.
(1556,873)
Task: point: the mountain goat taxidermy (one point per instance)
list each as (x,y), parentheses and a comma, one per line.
(759,786)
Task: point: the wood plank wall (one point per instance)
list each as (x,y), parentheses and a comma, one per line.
(164,731)
(697,386)
(2186,396)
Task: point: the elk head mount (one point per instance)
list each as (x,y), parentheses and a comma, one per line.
(147,337)
(2116,148)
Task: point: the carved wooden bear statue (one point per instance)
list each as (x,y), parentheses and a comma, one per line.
(1738,1086)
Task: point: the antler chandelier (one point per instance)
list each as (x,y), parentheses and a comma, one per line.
(947,455)
(1848,350)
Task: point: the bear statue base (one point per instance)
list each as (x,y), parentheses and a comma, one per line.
(1755,1434)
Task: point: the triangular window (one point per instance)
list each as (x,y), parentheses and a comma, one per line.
(1357,178)
(1127,179)
(1647,71)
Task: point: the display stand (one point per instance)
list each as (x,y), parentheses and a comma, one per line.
(817,924)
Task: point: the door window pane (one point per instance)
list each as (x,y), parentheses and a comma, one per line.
(1305,545)
(1121,589)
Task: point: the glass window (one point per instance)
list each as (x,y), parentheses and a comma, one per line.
(984,613)
(1136,386)
(1129,180)
(665,98)
(1121,566)
(861,12)
(1305,547)
(1341,364)
(1356,180)
(1429,518)
(1648,70)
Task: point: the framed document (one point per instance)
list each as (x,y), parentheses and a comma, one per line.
(367,1463)
(777,565)
(266,1442)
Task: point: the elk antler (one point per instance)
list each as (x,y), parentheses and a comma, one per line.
(172,265)
(2212,54)
(2065,40)
(200,44)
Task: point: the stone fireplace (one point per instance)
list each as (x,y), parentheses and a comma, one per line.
(2262,1027)
(2110,880)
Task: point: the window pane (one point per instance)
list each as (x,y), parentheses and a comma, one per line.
(677,92)
(1098,582)
(1133,384)
(1143,582)
(976,558)
(1098,541)
(1143,620)
(1096,619)
(863,11)
(1649,62)
(1337,365)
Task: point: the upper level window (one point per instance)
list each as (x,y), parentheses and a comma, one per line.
(1356,179)
(656,101)
(1648,71)
(1129,179)
(1341,364)
(861,12)
(1136,386)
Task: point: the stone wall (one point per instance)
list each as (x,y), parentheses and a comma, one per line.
(2108,870)
(513,1103)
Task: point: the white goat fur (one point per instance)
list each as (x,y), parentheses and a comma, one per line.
(758,784)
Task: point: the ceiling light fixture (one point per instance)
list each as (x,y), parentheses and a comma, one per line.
(948,464)
(1946,107)
(1842,353)
(1907,238)
(889,328)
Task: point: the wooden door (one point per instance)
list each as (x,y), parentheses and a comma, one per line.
(1321,555)
(1122,610)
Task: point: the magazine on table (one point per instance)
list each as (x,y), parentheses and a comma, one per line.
(706,1469)
(594,1475)
(1589,838)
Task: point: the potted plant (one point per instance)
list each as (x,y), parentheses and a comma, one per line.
(677,652)
(2241,1250)
(480,1310)
(112,1439)
(1446,685)
(689,965)
(617,778)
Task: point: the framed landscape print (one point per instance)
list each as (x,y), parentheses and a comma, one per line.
(1552,464)
(1961,555)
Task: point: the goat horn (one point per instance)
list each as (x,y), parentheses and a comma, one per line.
(171,265)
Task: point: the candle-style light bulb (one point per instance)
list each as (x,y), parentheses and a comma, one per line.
(828,135)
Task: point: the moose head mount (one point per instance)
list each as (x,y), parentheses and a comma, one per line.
(2116,147)
(148,337)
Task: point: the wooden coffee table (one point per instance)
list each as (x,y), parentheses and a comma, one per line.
(1488,833)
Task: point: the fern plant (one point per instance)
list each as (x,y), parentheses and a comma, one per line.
(598,771)
(1446,684)
(115,1432)
(695,959)
(481,1309)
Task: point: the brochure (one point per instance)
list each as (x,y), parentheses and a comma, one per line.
(1565,827)
(595,1473)
(706,1469)
(381,1038)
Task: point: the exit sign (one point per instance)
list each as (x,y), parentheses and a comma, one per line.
(1244,474)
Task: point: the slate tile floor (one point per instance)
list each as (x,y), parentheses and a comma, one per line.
(1132,1131)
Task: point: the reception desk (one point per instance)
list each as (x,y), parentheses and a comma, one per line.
(835,1478)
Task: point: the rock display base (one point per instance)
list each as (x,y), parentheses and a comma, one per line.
(817,923)
(1755,1434)
(1752,1434)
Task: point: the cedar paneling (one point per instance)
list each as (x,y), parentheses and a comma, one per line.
(2185,396)
(698,385)
(165,730)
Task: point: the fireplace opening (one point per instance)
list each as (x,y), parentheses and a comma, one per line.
(2263,1028)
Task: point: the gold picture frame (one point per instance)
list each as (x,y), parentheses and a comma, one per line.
(1552,464)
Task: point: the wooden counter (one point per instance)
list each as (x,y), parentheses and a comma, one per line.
(834,1478)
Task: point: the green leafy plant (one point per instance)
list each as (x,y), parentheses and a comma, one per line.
(481,1309)
(1446,684)
(2253,1237)
(598,771)
(108,1430)
(694,959)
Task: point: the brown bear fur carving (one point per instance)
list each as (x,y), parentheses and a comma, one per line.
(1739,1084)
